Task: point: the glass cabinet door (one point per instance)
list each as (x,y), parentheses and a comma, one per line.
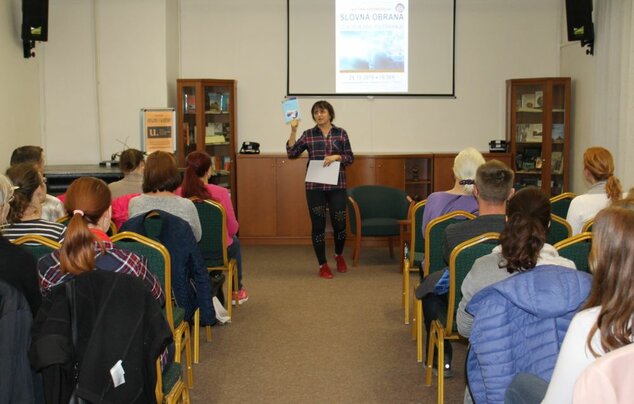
(218,132)
(189,129)
(528,132)
(558,138)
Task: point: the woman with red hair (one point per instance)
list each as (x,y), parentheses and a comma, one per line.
(196,185)
(598,171)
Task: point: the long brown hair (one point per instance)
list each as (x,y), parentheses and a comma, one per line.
(86,201)
(198,164)
(524,235)
(612,264)
(27,178)
(599,163)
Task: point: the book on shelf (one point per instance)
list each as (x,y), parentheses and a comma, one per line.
(226,163)
(557,162)
(190,103)
(528,132)
(539,99)
(528,100)
(557,133)
(215,102)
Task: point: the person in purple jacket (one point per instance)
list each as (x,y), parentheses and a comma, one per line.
(460,197)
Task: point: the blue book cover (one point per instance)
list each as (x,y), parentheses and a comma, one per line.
(290,107)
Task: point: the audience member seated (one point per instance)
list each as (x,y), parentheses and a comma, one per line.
(598,171)
(606,322)
(493,187)
(160,180)
(52,208)
(87,246)
(522,284)
(522,248)
(196,184)
(25,216)
(131,164)
(17,266)
(460,197)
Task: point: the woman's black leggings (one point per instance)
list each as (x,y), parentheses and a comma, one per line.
(335,201)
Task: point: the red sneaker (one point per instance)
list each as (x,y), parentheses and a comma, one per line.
(324,271)
(341,263)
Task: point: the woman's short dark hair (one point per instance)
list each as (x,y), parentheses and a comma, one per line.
(325,105)
(131,159)
(524,235)
(27,154)
(161,173)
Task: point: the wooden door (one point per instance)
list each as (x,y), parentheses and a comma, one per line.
(361,172)
(390,172)
(257,210)
(293,219)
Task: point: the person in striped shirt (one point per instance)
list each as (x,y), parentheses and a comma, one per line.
(25,214)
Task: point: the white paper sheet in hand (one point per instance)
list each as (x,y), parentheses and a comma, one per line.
(323,175)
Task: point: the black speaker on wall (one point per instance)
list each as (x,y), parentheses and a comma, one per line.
(579,22)
(34,24)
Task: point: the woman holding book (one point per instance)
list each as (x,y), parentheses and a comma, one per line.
(328,143)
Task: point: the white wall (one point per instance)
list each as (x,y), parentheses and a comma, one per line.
(495,40)
(105,60)
(20,87)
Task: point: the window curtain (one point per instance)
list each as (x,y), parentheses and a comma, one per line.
(613,123)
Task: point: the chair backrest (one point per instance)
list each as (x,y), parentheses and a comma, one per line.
(213,243)
(559,204)
(112,230)
(39,246)
(377,201)
(559,230)
(587,226)
(158,263)
(460,262)
(417,243)
(577,248)
(434,233)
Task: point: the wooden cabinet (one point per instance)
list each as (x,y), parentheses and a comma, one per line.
(409,172)
(538,128)
(207,122)
(443,168)
(271,200)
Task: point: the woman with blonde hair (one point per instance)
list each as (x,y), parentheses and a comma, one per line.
(598,171)
(460,197)
(87,246)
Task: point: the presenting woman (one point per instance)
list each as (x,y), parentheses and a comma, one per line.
(328,143)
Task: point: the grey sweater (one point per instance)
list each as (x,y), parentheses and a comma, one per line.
(486,271)
(177,206)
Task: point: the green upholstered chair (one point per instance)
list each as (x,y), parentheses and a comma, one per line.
(213,243)
(38,246)
(559,204)
(460,262)
(160,265)
(559,230)
(375,211)
(170,388)
(416,250)
(577,248)
(434,261)
(587,226)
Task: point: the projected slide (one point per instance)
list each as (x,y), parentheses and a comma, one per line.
(371,46)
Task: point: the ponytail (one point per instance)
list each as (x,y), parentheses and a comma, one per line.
(613,188)
(87,199)
(198,164)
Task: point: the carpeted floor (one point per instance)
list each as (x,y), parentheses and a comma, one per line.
(301,338)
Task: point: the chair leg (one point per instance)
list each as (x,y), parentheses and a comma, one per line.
(229,296)
(357,250)
(208,333)
(406,292)
(440,342)
(188,359)
(430,354)
(419,330)
(197,336)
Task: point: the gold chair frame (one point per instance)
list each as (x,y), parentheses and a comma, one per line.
(178,392)
(562,221)
(34,238)
(587,226)
(409,224)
